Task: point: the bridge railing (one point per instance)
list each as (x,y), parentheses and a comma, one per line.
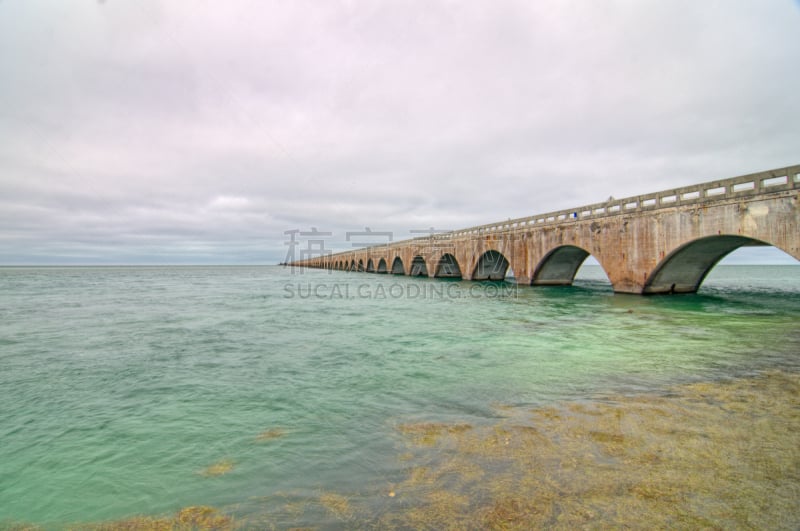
(770,181)
(778,180)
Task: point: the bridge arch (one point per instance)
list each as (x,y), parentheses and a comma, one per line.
(397,266)
(381,266)
(559,266)
(353,264)
(418,267)
(447,267)
(370,266)
(492,265)
(360,265)
(685,268)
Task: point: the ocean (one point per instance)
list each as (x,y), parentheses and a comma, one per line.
(271,397)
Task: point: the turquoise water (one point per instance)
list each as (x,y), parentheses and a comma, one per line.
(121,386)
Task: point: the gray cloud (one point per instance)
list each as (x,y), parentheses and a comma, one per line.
(200,131)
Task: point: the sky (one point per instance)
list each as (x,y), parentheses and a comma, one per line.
(193,132)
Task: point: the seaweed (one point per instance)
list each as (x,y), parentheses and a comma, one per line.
(218,469)
(187,519)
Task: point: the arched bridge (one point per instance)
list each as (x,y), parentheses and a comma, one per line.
(664,242)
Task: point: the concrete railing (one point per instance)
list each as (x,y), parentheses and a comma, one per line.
(771,181)
(737,187)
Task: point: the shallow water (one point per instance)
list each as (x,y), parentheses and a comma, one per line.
(142,390)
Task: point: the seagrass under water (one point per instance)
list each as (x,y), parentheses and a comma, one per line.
(339,400)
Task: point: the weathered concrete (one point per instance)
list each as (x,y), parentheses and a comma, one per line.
(665,242)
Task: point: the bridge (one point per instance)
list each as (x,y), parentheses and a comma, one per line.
(664,242)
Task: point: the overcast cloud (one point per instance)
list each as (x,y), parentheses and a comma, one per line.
(145,131)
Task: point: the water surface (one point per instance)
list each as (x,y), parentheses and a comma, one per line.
(141,390)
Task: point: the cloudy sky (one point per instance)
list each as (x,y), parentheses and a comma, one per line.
(191,131)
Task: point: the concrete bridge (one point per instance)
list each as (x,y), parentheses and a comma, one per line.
(664,242)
